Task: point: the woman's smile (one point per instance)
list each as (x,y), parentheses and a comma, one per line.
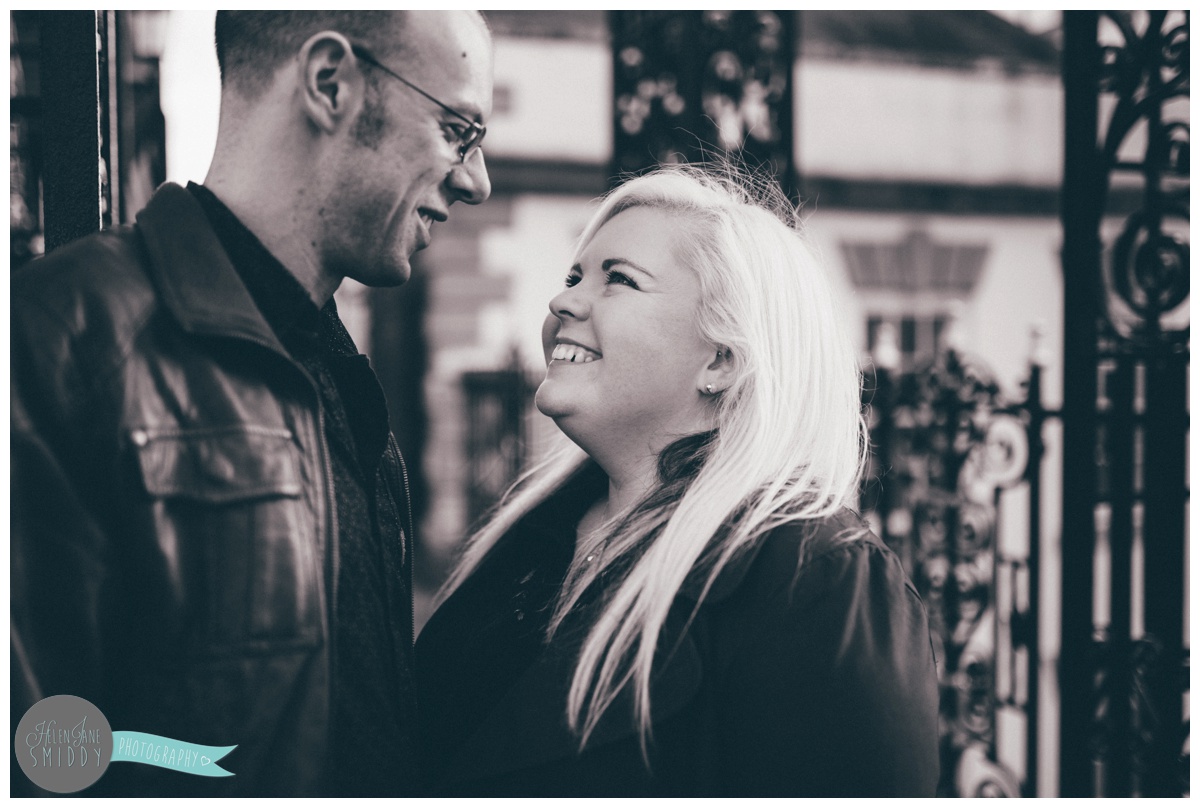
(572,353)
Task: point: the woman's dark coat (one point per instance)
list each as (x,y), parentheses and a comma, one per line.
(793,679)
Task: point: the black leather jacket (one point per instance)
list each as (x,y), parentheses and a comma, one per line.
(173,525)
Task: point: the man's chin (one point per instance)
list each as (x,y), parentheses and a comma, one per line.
(394,273)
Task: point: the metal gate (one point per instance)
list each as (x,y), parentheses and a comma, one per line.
(496,446)
(954,489)
(1124,673)
(695,84)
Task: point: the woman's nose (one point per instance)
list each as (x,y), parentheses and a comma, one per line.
(571,302)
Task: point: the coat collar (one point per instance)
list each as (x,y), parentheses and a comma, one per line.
(194,276)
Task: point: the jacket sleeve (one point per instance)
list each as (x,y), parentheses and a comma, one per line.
(57,544)
(833,690)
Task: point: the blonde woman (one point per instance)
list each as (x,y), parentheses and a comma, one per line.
(683,601)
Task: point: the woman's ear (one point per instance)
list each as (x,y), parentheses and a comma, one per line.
(332,78)
(718,375)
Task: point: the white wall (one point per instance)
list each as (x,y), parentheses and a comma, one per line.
(190,94)
(558,100)
(864,120)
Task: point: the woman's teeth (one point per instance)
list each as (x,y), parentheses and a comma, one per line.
(572,353)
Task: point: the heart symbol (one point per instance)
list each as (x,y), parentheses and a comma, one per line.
(204,761)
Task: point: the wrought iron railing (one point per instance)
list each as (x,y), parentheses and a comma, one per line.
(1126,420)
(947,449)
(497,446)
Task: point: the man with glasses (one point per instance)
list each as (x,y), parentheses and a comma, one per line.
(211,529)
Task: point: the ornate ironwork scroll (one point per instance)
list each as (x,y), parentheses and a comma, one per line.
(690,85)
(497,402)
(946,447)
(1126,421)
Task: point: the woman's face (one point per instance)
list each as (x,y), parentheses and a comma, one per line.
(624,357)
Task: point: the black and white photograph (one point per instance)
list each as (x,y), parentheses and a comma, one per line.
(445,403)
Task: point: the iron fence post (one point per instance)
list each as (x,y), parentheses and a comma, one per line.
(71,117)
(1081,292)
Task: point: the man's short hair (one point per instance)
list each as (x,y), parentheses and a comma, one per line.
(251,45)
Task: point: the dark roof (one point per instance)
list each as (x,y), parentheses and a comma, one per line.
(944,37)
(951,38)
(588,25)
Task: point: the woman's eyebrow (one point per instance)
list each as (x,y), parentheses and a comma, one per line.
(609,263)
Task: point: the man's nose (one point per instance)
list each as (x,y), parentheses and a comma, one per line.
(469,179)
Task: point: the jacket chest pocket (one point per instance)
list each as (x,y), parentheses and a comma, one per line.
(235,536)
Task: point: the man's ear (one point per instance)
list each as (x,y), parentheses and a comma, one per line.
(333,84)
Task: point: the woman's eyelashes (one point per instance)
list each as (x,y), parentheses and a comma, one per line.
(611,277)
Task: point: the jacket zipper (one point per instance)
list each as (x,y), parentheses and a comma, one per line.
(411,541)
(332,544)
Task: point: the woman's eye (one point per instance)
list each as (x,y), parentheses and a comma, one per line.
(612,276)
(572,279)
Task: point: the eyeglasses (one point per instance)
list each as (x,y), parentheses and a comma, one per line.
(468,139)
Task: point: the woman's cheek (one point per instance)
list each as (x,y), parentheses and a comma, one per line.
(549,331)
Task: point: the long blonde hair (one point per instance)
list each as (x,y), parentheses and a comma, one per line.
(789,445)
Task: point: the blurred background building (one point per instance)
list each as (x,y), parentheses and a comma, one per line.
(1001,199)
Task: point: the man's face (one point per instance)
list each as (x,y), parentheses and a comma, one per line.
(398,167)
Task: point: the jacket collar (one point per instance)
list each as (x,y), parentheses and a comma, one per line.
(194,276)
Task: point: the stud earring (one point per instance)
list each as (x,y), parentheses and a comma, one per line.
(709,388)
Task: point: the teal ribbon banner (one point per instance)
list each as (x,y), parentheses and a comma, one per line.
(167,753)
